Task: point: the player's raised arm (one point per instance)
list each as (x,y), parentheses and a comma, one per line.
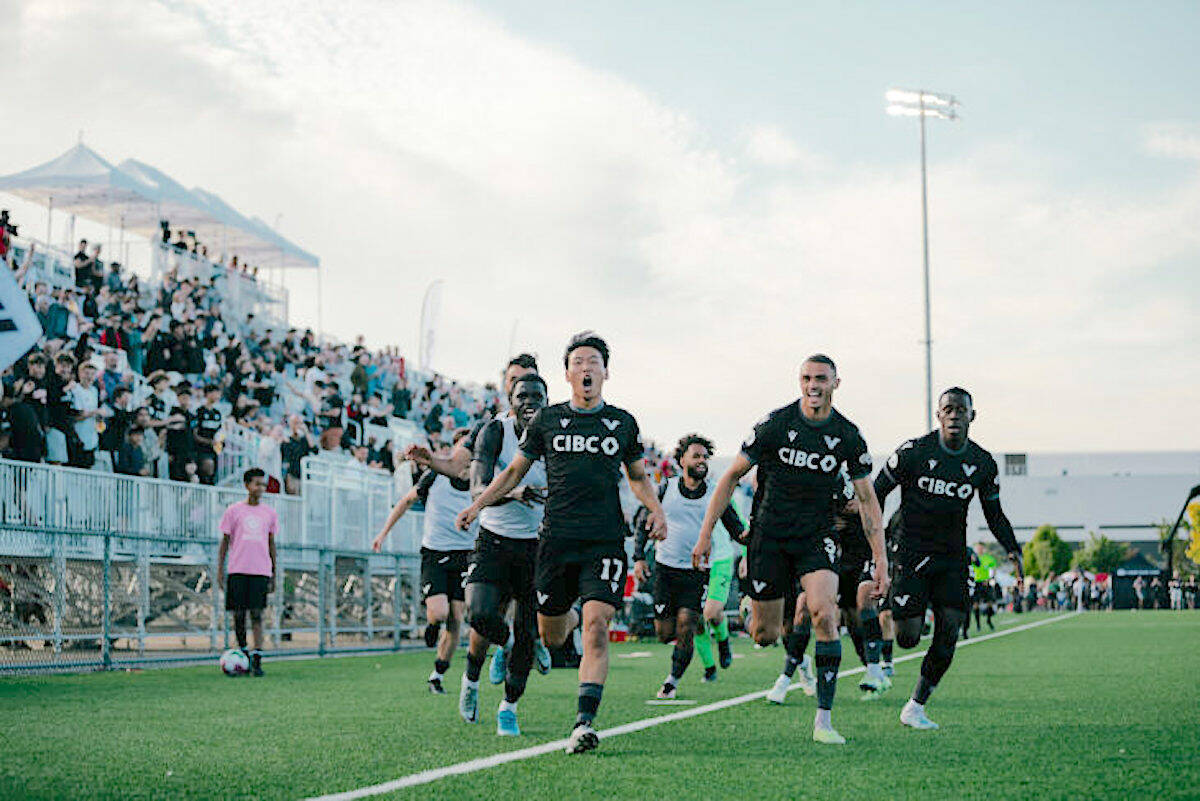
(402,506)
(722,495)
(501,485)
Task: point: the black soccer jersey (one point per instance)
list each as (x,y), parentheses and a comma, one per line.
(936,487)
(584,451)
(798,465)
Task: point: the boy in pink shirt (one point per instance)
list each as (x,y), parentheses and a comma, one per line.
(248,531)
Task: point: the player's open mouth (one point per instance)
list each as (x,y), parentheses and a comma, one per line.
(587,382)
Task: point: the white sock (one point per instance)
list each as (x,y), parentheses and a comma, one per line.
(874,670)
(669,680)
(509,642)
(823,720)
(805,663)
(505,706)
(468,683)
(913,705)
(436,675)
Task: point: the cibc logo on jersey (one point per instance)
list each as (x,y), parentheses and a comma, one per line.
(813,461)
(940,486)
(578,443)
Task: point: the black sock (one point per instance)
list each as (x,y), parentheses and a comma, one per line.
(589,701)
(795,644)
(474,666)
(440,666)
(680,659)
(514,687)
(828,660)
(977,618)
(856,637)
(872,635)
(239,629)
(887,650)
(923,690)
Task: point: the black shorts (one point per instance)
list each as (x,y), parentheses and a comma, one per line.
(854,571)
(245,591)
(929,580)
(676,588)
(444,573)
(774,565)
(570,569)
(504,562)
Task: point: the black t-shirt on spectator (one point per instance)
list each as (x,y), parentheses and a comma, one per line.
(180,439)
(292,451)
(58,403)
(265,395)
(26,441)
(115,428)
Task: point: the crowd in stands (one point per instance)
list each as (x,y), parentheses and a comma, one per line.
(141,378)
(154,378)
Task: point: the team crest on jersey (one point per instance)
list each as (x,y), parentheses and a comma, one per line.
(425,588)
(901,600)
(660,608)
(759,586)
(832,442)
(564,422)
(932,463)
(543,597)
(969,469)
(791,436)
(611,424)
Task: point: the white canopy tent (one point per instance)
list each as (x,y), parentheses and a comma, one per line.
(137,196)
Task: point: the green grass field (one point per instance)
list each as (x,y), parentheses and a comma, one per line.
(1094,706)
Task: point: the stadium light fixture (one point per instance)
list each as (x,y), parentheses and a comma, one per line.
(921,103)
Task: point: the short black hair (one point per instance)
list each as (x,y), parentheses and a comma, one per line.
(688,440)
(586,339)
(252,473)
(526,360)
(957,391)
(821,358)
(527,378)
(211,388)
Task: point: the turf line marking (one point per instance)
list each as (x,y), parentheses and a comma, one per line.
(483,763)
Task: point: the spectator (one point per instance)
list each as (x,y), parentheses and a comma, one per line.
(113,280)
(86,411)
(58,409)
(208,424)
(131,457)
(120,419)
(181,440)
(83,264)
(299,443)
(151,445)
(112,377)
(26,441)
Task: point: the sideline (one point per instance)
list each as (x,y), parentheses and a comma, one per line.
(483,763)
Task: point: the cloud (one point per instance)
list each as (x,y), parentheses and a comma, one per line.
(413,141)
(1173,140)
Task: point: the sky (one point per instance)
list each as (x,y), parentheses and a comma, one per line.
(713,187)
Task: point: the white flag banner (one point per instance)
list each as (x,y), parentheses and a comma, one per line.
(19,326)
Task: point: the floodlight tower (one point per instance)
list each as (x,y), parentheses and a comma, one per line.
(920,103)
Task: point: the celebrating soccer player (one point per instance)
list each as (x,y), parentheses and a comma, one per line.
(799,450)
(938,474)
(581,553)
(445,553)
(503,564)
(679,575)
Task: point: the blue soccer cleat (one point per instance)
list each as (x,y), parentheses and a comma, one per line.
(498,667)
(506,723)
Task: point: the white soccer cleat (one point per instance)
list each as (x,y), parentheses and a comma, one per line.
(827,736)
(583,739)
(806,680)
(913,715)
(778,693)
(468,701)
(666,692)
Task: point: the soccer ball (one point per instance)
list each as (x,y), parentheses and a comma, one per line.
(234,662)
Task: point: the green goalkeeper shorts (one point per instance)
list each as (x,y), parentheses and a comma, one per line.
(720,574)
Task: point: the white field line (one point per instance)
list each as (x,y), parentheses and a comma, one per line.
(473,765)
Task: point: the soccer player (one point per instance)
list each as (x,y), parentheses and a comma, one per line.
(720,577)
(859,609)
(938,474)
(445,553)
(248,530)
(679,579)
(503,564)
(581,553)
(799,451)
(459,462)
(984,566)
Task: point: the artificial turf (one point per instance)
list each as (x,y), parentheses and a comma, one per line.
(1100,705)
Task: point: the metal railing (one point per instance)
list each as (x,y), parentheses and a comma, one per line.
(103,571)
